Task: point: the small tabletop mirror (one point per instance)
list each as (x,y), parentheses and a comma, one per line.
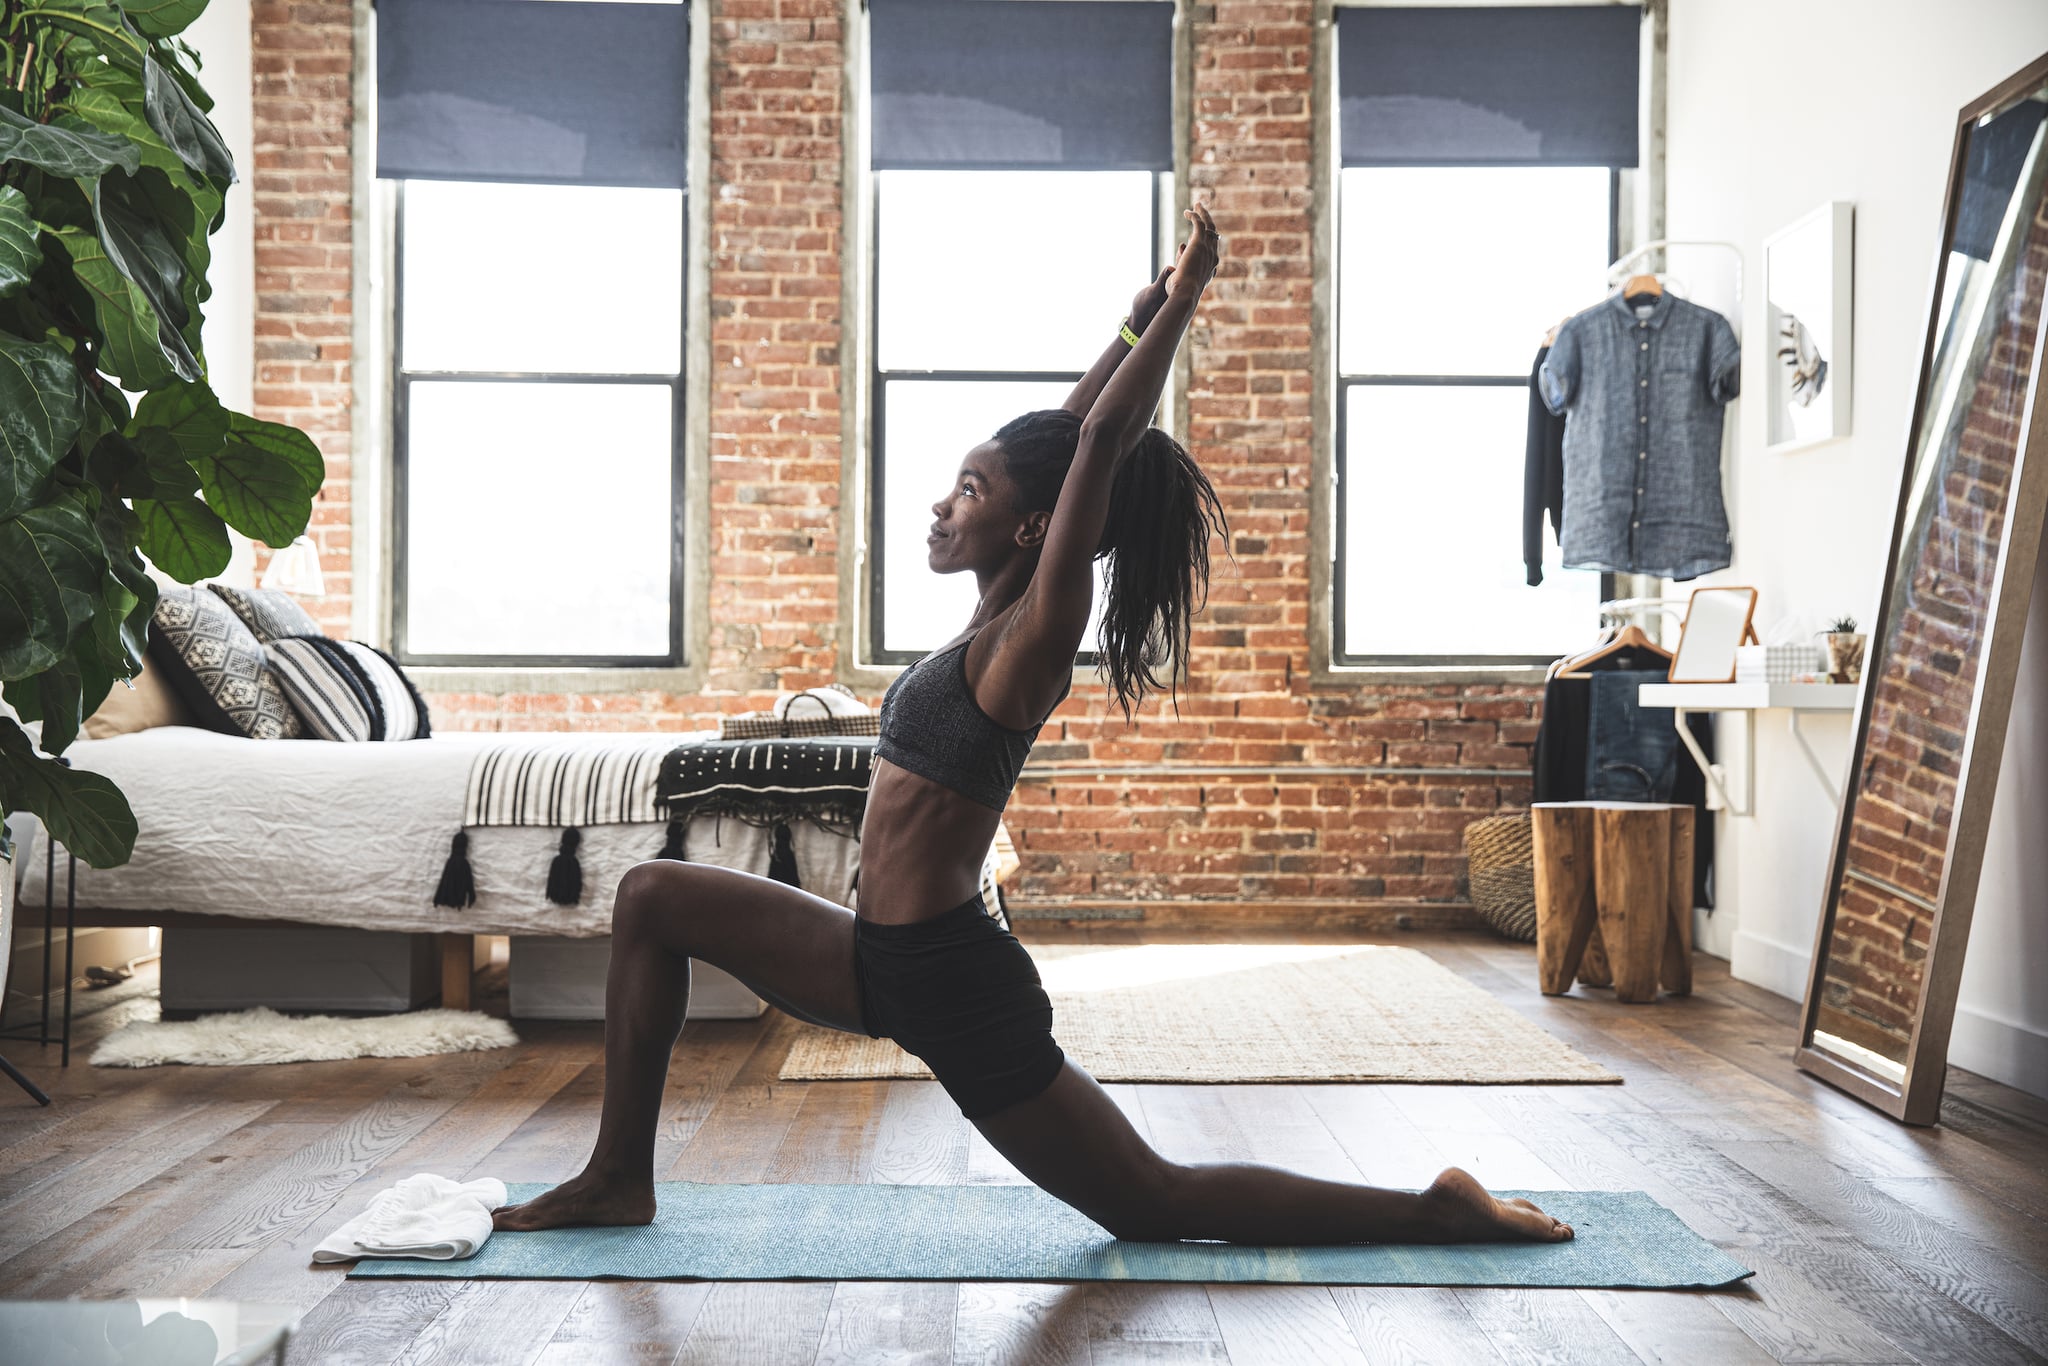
(1716,621)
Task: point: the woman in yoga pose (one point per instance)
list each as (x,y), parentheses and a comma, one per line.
(922,962)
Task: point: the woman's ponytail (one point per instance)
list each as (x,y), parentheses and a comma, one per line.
(1162,511)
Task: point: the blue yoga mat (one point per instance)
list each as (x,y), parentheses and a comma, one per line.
(1019,1233)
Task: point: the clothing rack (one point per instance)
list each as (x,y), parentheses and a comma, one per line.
(1619,611)
(1618,270)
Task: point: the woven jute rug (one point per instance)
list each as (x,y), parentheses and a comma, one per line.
(1249,1013)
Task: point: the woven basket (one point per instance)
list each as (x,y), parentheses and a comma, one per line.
(1503,874)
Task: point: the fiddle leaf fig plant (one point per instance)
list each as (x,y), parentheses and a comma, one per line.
(114,452)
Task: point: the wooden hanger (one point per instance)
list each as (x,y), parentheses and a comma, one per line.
(1630,637)
(1642,284)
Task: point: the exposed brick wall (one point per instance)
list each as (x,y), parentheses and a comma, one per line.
(1276,834)
(1920,703)
(302,55)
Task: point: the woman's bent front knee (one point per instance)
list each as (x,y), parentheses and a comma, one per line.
(1148,1209)
(648,891)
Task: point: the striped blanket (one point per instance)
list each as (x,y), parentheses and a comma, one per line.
(567,784)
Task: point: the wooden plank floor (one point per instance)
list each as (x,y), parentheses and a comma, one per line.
(1873,1243)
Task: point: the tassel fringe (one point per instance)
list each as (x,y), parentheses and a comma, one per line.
(457,888)
(782,858)
(672,847)
(565,874)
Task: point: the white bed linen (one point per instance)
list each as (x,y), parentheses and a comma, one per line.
(356,835)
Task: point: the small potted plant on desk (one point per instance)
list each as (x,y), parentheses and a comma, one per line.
(1845,651)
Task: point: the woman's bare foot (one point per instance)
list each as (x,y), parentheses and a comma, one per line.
(583,1201)
(1463,1211)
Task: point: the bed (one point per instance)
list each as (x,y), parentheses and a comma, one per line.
(305,832)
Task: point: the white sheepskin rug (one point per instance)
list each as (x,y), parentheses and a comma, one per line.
(251,1037)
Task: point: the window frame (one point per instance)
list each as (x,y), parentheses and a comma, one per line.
(1343,383)
(402,380)
(875,582)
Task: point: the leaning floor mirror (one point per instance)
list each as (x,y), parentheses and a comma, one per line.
(1888,954)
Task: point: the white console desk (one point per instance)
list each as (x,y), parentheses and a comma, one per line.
(1797,698)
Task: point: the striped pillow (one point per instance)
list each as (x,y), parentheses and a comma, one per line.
(403,710)
(346,690)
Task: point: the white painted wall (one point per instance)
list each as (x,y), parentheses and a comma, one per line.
(221,37)
(1775,109)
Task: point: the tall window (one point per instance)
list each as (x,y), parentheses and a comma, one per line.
(1021,151)
(537,392)
(1476,209)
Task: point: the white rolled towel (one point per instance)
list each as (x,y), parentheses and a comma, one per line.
(422,1216)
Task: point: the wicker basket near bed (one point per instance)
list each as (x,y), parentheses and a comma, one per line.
(1503,874)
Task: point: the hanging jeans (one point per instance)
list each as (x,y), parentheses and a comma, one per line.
(1631,751)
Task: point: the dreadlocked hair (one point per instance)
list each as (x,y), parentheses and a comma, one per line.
(1162,511)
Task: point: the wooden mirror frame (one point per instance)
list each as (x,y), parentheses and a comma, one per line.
(1743,637)
(1917,1098)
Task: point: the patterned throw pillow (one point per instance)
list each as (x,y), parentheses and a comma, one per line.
(217,668)
(347,690)
(269,614)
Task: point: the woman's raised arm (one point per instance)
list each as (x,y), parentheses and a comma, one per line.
(1063,585)
(1144,308)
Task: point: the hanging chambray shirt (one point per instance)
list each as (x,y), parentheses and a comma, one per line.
(1643,391)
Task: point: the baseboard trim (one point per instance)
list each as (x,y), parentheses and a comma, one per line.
(1990,1045)
(2003,1050)
(1769,964)
(1376,916)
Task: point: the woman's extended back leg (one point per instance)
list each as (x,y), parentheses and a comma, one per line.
(791,948)
(1073,1141)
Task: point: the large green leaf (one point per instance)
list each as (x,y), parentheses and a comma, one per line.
(128,325)
(146,465)
(181,124)
(259,495)
(51,564)
(19,254)
(131,239)
(82,811)
(286,444)
(183,537)
(119,530)
(187,413)
(40,412)
(94,20)
(71,148)
(162,18)
(101,104)
(61,689)
(182,60)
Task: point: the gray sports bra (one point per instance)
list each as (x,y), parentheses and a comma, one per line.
(932,726)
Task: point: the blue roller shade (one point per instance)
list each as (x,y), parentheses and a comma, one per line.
(552,92)
(1550,86)
(1022,84)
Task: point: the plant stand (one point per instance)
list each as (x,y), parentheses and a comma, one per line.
(42,1033)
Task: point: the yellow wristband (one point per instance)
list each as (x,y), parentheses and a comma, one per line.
(1124,331)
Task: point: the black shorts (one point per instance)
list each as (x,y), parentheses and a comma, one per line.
(960,993)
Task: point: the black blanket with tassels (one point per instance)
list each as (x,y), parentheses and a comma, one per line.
(548,781)
(823,779)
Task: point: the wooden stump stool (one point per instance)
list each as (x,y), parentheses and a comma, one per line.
(1614,879)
